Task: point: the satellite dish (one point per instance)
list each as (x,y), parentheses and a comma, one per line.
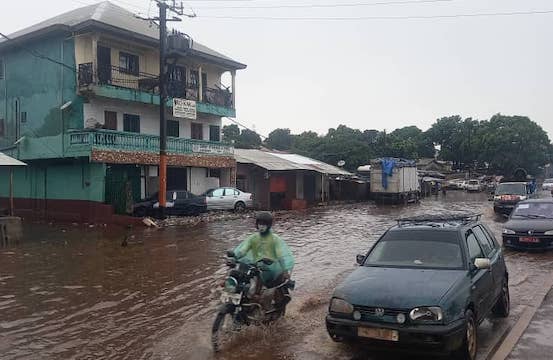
(341,163)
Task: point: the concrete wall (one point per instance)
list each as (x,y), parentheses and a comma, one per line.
(199,182)
(67,180)
(38,88)
(149,117)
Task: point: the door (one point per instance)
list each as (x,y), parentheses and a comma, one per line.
(216,199)
(231,197)
(104,65)
(481,279)
(110,120)
(498,263)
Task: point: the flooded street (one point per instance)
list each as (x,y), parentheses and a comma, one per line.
(75,293)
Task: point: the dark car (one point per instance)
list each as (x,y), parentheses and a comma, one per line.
(530,225)
(179,202)
(424,286)
(508,194)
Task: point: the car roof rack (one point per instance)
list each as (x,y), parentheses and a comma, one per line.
(450,218)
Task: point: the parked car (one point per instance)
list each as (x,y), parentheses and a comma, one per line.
(547,185)
(227,198)
(456,184)
(179,202)
(530,225)
(474,186)
(508,194)
(425,285)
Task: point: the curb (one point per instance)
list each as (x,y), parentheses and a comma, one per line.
(509,341)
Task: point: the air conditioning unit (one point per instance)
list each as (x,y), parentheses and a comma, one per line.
(178,42)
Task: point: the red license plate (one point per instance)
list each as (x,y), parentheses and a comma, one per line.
(532,240)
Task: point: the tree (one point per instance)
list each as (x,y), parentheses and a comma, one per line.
(248,139)
(280,139)
(231,133)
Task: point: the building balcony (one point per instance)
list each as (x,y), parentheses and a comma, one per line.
(117,83)
(84,142)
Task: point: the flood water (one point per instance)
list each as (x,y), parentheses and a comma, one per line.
(73,292)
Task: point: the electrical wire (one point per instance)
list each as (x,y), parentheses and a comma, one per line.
(245,127)
(311,6)
(39,55)
(367,18)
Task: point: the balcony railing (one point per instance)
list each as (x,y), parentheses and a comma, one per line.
(119,77)
(125,141)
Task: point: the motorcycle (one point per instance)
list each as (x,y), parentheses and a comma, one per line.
(246,301)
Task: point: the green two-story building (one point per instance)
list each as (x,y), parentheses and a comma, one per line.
(79,103)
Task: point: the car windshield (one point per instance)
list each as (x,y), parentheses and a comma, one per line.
(473,182)
(534,211)
(548,181)
(511,189)
(417,249)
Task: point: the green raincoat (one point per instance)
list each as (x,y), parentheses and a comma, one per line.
(271,246)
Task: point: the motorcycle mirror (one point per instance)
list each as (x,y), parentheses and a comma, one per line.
(230,253)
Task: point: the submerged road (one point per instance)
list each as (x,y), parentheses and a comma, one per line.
(75,293)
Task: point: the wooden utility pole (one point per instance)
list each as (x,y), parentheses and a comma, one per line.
(178,10)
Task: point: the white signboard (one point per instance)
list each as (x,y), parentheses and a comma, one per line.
(183,108)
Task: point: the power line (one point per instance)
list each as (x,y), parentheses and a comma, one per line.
(310,6)
(366,18)
(245,127)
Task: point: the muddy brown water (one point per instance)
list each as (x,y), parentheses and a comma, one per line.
(73,292)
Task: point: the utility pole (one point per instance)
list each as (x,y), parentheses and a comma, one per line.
(178,10)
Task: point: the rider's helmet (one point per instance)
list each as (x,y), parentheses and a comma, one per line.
(263,221)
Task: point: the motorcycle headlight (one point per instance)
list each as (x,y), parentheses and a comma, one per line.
(509,232)
(231,284)
(340,306)
(431,314)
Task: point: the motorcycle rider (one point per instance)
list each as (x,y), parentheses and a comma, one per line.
(265,244)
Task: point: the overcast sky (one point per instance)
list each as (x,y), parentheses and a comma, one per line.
(371,73)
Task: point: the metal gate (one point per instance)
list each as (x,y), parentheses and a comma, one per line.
(122,187)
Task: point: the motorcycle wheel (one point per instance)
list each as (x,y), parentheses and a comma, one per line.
(223,328)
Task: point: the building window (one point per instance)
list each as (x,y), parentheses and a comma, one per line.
(128,63)
(23,116)
(173,128)
(214,173)
(2,69)
(214,133)
(194,81)
(131,123)
(110,120)
(197,131)
(2,128)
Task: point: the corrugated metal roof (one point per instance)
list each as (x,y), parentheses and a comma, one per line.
(281,162)
(110,14)
(6,160)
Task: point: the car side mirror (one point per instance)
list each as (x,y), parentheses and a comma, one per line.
(482,263)
(360,259)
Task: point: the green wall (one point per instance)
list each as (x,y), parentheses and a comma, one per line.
(69,180)
(40,87)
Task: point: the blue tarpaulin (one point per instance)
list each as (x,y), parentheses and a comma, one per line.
(387,170)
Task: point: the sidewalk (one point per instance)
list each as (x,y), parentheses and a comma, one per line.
(537,341)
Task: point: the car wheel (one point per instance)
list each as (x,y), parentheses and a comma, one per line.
(468,349)
(240,207)
(503,305)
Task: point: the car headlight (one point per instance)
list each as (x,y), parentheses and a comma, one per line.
(432,313)
(231,284)
(550,232)
(522,198)
(340,306)
(510,232)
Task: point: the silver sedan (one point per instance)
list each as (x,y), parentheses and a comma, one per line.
(227,198)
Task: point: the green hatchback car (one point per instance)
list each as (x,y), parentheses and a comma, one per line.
(424,286)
